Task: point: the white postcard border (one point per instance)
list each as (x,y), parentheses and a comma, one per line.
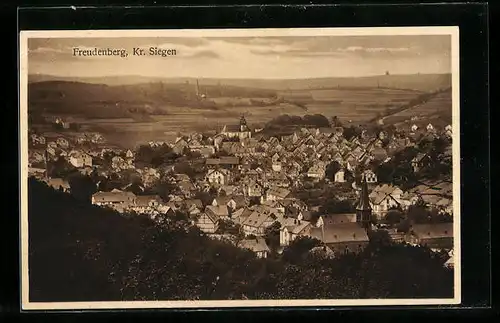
(453,31)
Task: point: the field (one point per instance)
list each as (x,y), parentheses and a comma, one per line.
(133,114)
(437,110)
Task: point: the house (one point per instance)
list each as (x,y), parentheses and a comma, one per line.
(370,176)
(193,206)
(218,176)
(450,263)
(277,193)
(220,211)
(180,146)
(351,164)
(36,172)
(339,176)
(430,127)
(342,238)
(207,151)
(224,201)
(316,171)
(212,163)
(36,156)
(62,142)
(413,128)
(293,228)
(437,236)
(148,204)
(58,184)
(385,197)
(186,187)
(116,199)
(207,222)
(239,216)
(257,222)
(278,180)
(420,161)
(254,189)
(256,245)
(37,140)
(129,154)
(276,166)
(229,162)
(448,131)
(293,212)
(80,159)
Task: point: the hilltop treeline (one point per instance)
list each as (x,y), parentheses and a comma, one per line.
(103,101)
(309,120)
(80,252)
(285,124)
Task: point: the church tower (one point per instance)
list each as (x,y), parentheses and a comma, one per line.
(364,210)
(243,124)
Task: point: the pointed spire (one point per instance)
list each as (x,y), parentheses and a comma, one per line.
(364,200)
(243,120)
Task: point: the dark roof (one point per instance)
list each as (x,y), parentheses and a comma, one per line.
(232,128)
(144,200)
(229,160)
(338,233)
(339,218)
(435,230)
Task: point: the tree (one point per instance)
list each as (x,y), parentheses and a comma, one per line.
(205,197)
(82,187)
(335,122)
(350,132)
(272,235)
(98,254)
(185,168)
(394,217)
(418,213)
(295,252)
(61,168)
(335,206)
(331,169)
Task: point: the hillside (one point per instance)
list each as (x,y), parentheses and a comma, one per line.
(417,82)
(436,109)
(104,101)
(78,252)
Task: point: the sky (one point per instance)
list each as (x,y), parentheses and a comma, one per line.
(287,57)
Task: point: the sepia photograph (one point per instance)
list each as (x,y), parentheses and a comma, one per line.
(217,168)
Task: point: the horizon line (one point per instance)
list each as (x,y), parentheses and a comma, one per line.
(237,78)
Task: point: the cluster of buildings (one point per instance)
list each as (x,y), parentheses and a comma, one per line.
(254,178)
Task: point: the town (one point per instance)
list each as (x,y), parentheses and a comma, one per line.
(261,191)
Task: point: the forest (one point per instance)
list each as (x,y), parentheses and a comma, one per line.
(81,252)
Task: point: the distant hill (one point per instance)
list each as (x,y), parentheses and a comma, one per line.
(417,82)
(106,101)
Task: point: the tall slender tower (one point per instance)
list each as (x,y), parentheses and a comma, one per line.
(197,88)
(45,157)
(364,210)
(243,124)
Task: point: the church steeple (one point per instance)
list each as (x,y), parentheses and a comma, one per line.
(363,209)
(243,124)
